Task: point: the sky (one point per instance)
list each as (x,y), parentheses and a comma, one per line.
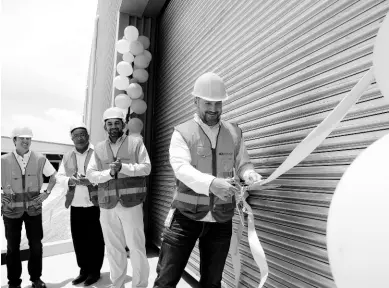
(45,49)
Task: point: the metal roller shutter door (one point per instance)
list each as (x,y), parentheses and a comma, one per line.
(286,65)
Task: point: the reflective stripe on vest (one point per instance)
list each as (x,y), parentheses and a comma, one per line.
(24,188)
(70,164)
(130,191)
(219,162)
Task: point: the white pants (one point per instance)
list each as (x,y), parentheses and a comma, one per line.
(123,226)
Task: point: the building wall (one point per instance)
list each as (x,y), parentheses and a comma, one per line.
(286,64)
(104,65)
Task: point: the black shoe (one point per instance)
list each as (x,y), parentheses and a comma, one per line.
(79,279)
(91,280)
(38,284)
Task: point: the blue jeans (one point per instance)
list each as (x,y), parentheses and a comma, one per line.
(177,245)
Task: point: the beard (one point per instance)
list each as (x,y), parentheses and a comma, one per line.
(115,133)
(211,119)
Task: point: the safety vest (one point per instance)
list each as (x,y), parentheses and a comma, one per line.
(130,191)
(218,162)
(23,187)
(70,164)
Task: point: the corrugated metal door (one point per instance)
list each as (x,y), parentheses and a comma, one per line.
(286,65)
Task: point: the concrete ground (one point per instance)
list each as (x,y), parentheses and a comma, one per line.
(60,270)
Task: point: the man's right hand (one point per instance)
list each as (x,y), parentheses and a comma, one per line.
(73,181)
(222,188)
(5,198)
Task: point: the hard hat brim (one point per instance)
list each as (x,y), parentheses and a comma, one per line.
(24,136)
(211,99)
(79,127)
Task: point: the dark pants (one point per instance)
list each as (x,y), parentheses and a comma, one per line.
(88,239)
(178,242)
(34,232)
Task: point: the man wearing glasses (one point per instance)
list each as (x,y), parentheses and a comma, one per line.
(81,196)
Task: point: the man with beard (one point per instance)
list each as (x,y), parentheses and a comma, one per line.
(119,166)
(81,196)
(205,154)
(21,199)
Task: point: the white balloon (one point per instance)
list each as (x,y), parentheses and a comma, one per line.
(138,106)
(145,41)
(123,46)
(135,125)
(131,111)
(381,58)
(123,101)
(124,68)
(141,75)
(131,33)
(121,82)
(134,90)
(357,226)
(141,61)
(128,57)
(136,48)
(148,55)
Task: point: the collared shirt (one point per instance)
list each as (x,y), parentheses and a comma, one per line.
(81,195)
(142,168)
(48,169)
(180,159)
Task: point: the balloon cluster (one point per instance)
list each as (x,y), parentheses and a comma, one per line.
(132,71)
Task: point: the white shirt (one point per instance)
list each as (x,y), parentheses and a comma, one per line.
(48,169)
(142,168)
(180,159)
(81,194)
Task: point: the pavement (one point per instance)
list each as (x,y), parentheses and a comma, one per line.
(60,270)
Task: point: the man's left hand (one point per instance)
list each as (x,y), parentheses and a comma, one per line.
(253,177)
(84,181)
(41,197)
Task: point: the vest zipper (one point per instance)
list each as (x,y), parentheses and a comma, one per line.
(214,165)
(211,200)
(214,168)
(24,181)
(114,159)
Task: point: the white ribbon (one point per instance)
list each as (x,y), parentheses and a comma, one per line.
(302,150)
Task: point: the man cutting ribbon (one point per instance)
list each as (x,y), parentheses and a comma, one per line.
(205,152)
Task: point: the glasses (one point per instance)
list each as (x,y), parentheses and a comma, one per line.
(82,135)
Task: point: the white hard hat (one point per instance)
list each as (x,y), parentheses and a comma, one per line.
(210,86)
(21,132)
(113,113)
(76,126)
